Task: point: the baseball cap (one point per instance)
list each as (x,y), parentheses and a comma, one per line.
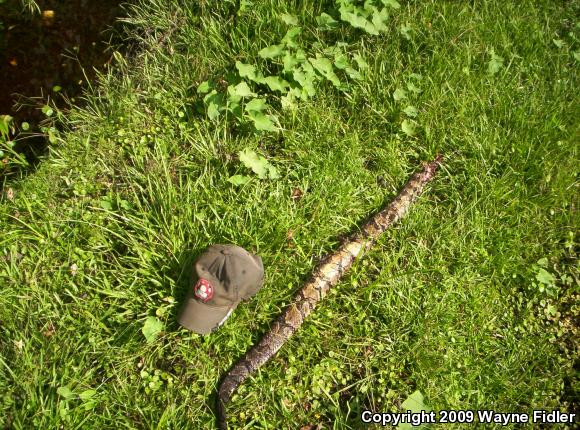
(224,276)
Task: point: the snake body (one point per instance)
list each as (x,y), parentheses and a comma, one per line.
(325,276)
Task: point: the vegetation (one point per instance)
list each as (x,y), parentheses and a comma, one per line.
(215,128)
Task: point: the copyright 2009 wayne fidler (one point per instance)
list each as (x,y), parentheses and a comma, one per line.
(537,416)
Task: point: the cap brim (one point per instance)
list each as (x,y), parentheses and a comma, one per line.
(202,318)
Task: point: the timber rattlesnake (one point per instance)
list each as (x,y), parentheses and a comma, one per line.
(326,275)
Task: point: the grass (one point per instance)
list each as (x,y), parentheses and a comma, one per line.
(453,302)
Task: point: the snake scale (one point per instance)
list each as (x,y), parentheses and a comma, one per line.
(325,276)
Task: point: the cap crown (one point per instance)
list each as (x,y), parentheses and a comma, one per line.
(233,274)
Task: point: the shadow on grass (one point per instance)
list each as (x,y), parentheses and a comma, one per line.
(47,56)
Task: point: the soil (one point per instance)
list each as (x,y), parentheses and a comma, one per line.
(41,51)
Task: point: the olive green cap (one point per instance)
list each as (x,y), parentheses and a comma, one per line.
(224,276)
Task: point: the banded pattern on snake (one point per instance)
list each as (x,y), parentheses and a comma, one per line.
(324,277)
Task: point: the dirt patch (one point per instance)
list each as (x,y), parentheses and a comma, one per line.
(41,51)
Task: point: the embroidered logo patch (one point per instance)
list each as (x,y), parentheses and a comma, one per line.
(203,290)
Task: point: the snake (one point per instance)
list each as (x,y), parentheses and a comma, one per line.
(325,276)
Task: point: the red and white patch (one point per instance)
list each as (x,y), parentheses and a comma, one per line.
(203,290)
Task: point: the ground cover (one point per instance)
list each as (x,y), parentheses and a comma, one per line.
(472,300)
